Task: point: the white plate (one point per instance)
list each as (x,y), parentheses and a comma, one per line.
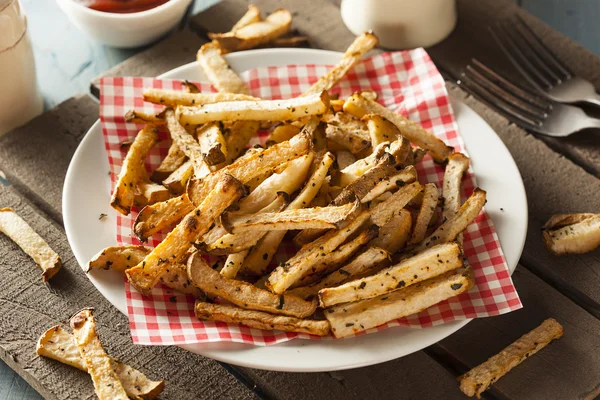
(86,194)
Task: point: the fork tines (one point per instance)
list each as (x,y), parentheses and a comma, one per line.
(529,55)
(519,105)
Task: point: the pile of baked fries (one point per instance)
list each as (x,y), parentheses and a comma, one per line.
(337,176)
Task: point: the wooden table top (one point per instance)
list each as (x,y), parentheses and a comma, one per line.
(559,176)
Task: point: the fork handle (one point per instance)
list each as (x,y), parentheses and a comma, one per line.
(594,100)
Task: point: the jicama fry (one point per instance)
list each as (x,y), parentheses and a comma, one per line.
(407,175)
(426,212)
(195,224)
(97,363)
(173,98)
(381,213)
(255,34)
(577,234)
(394,234)
(344,158)
(218,72)
(348,319)
(258,319)
(425,265)
(480,378)
(174,159)
(187,143)
(139,117)
(118,258)
(133,170)
(244,294)
(261,255)
(255,110)
(361,264)
(238,136)
(456,167)
(300,265)
(251,16)
(212,143)
(450,229)
(361,45)
(358,106)
(352,141)
(156,217)
(151,193)
(58,344)
(380,129)
(177,181)
(30,242)
(282,132)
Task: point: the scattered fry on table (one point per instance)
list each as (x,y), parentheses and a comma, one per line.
(572,233)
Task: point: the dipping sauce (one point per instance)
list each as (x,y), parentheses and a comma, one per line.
(121,6)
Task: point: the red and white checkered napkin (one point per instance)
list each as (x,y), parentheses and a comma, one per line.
(407,81)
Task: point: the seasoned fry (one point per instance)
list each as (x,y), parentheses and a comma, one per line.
(407,175)
(173,98)
(97,363)
(358,106)
(255,34)
(401,150)
(348,319)
(174,159)
(288,181)
(238,136)
(218,72)
(177,181)
(300,265)
(251,16)
(456,167)
(450,229)
(233,263)
(292,41)
(151,193)
(380,129)
(58,344)
(257,110)
(252,166)
(332,261)
(187,144)
(258,319)
(577,234)
(334,217)
(231,243)
(244,294)
(261,255)
(352,141)
(282,132)
(427,264)
(480,378)
(189,87)
(133,170)
(357,169)
(156,217)
(212,143)
(381,213)
(30,242)
(361,264)
(426,212)
(394,234)
(176,278)
(146,274)
(139,117)
(361,45)
(118,258)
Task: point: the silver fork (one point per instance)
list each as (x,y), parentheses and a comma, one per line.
(522,106)
(540,66)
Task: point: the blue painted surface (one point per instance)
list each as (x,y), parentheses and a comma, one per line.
(67,60)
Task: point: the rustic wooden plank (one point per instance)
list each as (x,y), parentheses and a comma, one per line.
(172,52)
(569,368)
(415,376)
(35,157)
(471,38)
(28,308)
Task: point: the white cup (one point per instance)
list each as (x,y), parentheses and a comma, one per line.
(20,99)
(401,24)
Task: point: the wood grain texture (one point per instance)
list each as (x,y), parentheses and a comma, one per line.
(28,308)
(569,368)
(174,51)
(471,39)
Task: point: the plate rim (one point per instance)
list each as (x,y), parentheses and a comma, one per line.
(221,355)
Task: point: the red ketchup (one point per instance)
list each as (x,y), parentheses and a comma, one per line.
(121,6)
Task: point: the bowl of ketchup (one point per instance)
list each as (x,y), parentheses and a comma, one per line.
(125,23)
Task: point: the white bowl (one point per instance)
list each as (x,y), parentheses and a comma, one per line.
(125,30)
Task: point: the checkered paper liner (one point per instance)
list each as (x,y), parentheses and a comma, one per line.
(406,81)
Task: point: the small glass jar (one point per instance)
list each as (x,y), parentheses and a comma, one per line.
(20,99)
(401,24)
